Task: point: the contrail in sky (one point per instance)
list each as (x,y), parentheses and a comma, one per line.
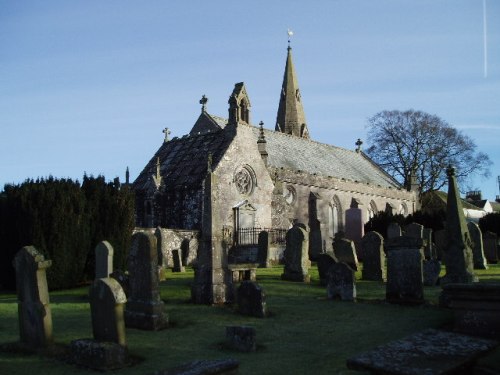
(485,41)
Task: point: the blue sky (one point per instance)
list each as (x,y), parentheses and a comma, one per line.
(88,86)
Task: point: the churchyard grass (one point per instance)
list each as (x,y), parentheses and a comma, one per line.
(304,334)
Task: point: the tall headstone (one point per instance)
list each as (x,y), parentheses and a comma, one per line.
(354,222)
(374,257)
(107,303)
(33,305)
(393,230)
(490,246)
(324,262)
(345,251)
(440,240)
(177,258)
(458,252)
(264,247)
(103,259)
(341,282)
(404,270)
(477,246)
(144,309)
(429,250)
(296,254)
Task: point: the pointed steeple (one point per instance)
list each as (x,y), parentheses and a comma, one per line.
(291,118)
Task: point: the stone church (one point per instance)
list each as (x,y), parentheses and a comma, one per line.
(242,178)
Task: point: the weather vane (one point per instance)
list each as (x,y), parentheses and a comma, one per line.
(290,33)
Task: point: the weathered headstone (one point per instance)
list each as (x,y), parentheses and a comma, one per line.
(144,309)
(341,282)
(241,338)
(33,305)
(345,251)
(251,299)
(324,262)
(429,251)
(264,246)
(477,246)
(414,230)
(177,258)
(123,279)
(107,303)
(354,222)
(103,259)
(440,240)
(404,270)
(490,246)
(374,257)
(162,254)
(393,230)
(458,252)
(296,255)
(431,270)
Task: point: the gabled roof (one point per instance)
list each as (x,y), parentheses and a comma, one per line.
(295,153)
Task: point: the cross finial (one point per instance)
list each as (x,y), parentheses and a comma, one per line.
(290,33)
(166,131)
(358,144)
(203,102)
(262,138)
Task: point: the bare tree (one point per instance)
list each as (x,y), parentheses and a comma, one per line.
(415,141)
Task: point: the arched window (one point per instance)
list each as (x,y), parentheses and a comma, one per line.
(372,210)
(403,209)
(335,216)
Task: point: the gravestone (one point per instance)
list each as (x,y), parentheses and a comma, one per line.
(490,246)
(33,305)
(431,270)
(414,230)
(264,247)
(123,279)
(251,299)
(354,222)
(477,246)
(103,259)
(440,240)
(374,257)
(393,230)
(177,258)
(429,251)
(241,338)
(107,302)
(144,309)
(162,254)
(344,250)
(341,282)
(458,252)
(324,262)
(296,254)
(108,349)
(404,270)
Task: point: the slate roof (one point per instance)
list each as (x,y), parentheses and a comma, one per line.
(291,152)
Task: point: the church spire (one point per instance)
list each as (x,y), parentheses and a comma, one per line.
(290,118)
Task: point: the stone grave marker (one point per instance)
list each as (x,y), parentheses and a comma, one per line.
(296,254)
(490,246)
(161,249)
(440,240)
(344,250)
(374,257)
(393,230)
(324,262)
(404,270)
(414,230)
(431,270)
(35,318)
(251,299)
(241,338)
(341,282)
(177,258)
(478,257)
(144,309)
(103,259)
(429,251)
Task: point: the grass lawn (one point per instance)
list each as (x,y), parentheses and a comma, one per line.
(304,334)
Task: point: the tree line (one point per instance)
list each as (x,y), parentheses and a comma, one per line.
(65,220)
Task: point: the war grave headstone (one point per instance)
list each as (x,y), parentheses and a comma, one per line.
(241,338)
(427,352)
(296,255)
(431,270)
(344,250)
(404,270)
(374,257)
(341,282)
(103,259)
(458,251)
(490,246)
(108,349)
(144,309)
(324,262)
(251,299)
(478,257)
(393,230)
(33,305)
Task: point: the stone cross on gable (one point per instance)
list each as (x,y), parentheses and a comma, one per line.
(203,102)
(167,132)
(358,144)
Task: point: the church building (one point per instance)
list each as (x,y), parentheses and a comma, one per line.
(264,179)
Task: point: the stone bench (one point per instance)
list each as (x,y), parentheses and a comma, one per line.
(243,271)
